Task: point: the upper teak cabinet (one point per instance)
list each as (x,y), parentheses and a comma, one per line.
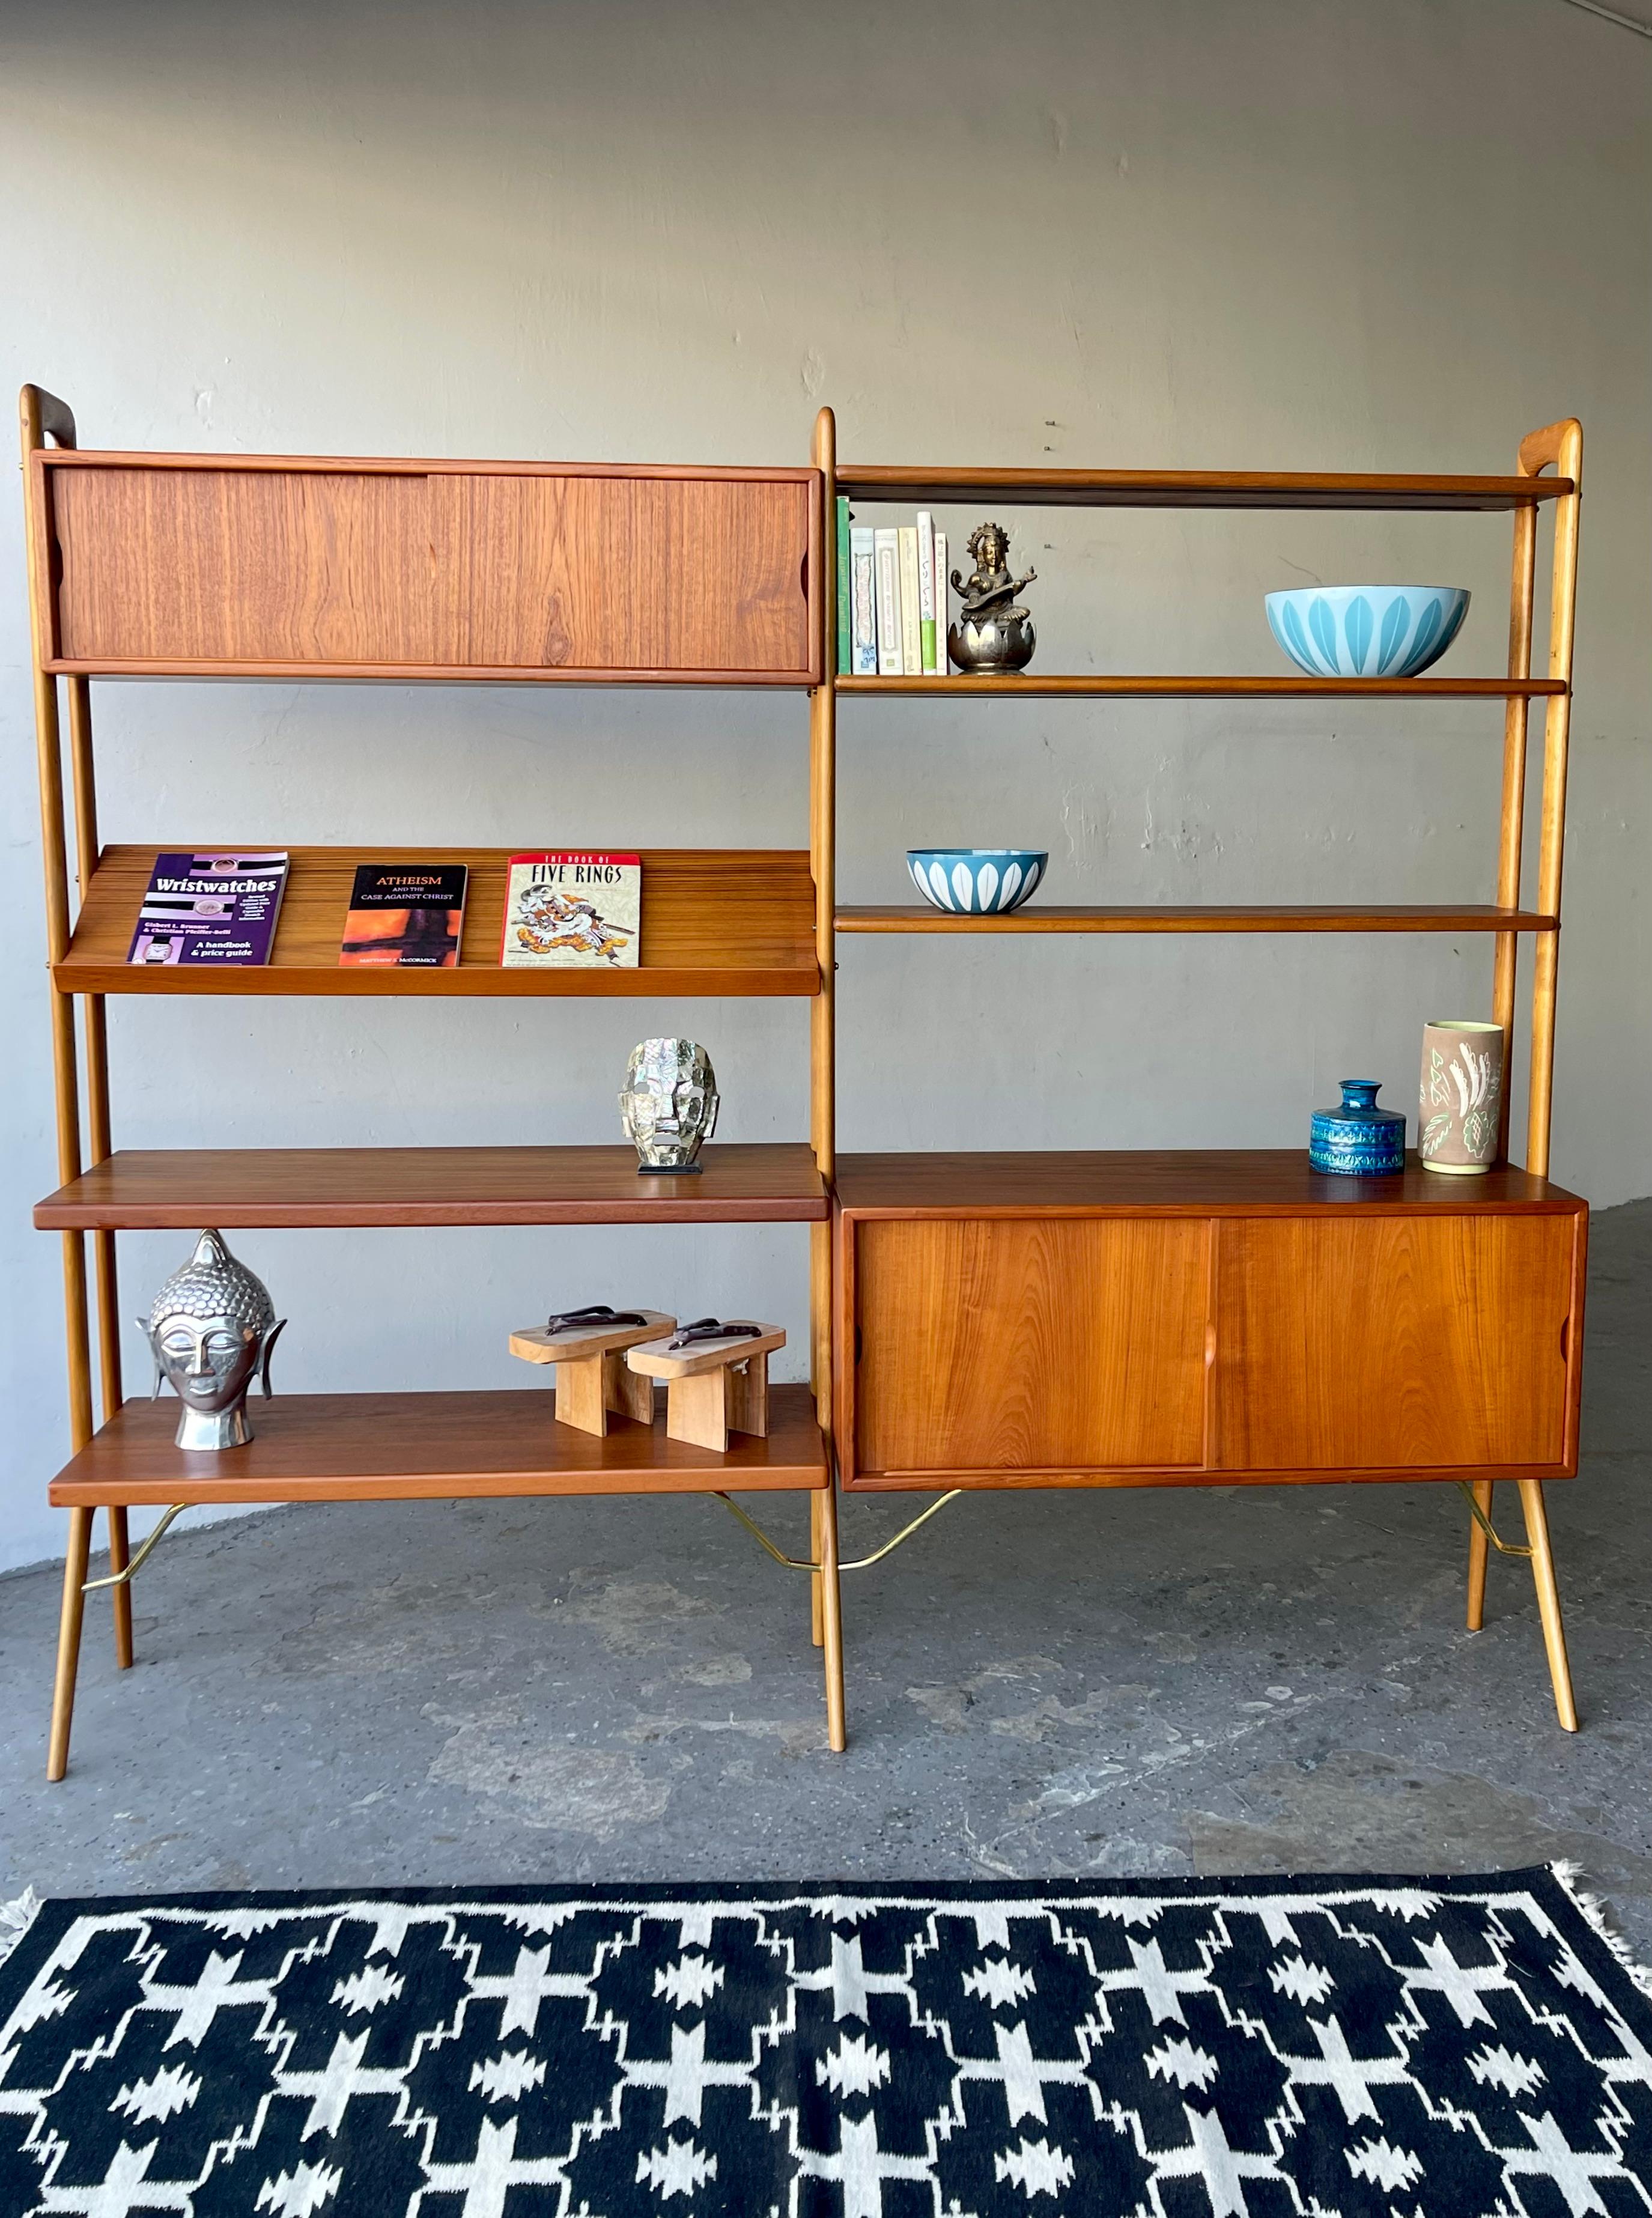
(206,566)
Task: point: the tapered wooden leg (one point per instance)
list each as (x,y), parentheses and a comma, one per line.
(1479,1550)
(832,1620)
(748,1396)
(74,1609)
(1542,1568)
(696,1410)
(627,1391)
(120,1557)
(816,1629)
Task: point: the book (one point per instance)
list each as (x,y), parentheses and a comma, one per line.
(942,659)
(405,916)
(211,905)
(926,588)
(886,545)
(911,626)
(566,910)
(843,583)
(863,607)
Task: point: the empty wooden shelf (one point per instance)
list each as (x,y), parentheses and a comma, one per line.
(1343,489)
(736,921)
(358,1447)
(181,1188)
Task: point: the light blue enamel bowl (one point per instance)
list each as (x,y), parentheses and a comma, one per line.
(1366,631)
(976,881)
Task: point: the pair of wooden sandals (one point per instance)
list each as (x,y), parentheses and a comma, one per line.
(716,1372)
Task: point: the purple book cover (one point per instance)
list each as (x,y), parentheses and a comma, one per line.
(217,905)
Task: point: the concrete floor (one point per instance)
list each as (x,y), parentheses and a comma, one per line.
(1042,1684)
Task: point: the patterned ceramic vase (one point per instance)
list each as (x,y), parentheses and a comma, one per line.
(1461,1095)
(1358,1139)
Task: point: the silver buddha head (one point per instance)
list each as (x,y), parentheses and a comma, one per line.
(670,1102)
(211,1328)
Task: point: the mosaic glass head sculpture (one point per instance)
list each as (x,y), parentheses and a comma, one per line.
(670,1102)
(211,1328)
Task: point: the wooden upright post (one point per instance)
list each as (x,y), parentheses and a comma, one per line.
(42,416)
(823,836)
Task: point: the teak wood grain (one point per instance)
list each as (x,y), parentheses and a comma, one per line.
(1193,1181)
(357,1448)
(1281,688)
(255,567)
(1372,917)
(1191,488)
(734,921)
(1395,1343)
(1012,1347)
(1414,1327)
(181,1189)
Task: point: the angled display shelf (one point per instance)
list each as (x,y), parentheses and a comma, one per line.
(714,921)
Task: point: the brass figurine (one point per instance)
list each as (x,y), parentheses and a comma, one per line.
(210,1329)
(991,635)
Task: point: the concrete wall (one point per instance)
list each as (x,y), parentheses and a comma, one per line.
(1345,235)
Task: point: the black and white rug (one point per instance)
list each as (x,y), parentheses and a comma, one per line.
(1370,2048)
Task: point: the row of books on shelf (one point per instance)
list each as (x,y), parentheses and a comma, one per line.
(892,603)
(564,909)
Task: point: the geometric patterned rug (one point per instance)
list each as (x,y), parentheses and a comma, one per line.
(1246,2048)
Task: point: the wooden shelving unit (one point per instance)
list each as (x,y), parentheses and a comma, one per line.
(1007,1320)
(1212,1318)
(308,567)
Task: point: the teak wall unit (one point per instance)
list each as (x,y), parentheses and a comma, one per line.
(190,566)
(990,1319)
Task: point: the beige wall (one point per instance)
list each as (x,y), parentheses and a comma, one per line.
(1348,234)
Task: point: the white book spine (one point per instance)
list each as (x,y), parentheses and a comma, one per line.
(942,659)
(886,545)
(862,604)
(912,629)
(926,589)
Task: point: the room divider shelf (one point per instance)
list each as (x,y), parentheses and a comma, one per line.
(153,1189)
(1276,688)
(359,1447)
(1338,489)
(1403,917)
(723,921)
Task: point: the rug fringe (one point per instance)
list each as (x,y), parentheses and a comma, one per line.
(1570,1876)
(16,1917)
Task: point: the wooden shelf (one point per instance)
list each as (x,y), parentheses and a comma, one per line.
(1191,488)
(1285,688)
(387,1448)
(715,921)
(1402,917)
(1204,1182)
(181,1189)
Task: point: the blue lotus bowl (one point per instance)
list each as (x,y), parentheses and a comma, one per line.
(975,881)
(1366,631)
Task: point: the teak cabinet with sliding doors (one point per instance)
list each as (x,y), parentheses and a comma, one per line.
(1005,1320)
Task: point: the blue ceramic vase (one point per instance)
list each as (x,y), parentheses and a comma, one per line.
(1358,1140)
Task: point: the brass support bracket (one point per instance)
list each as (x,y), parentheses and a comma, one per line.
(1503,1547)
(124,1578)
(857,1563)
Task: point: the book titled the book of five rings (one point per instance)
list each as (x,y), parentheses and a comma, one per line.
(568,910)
